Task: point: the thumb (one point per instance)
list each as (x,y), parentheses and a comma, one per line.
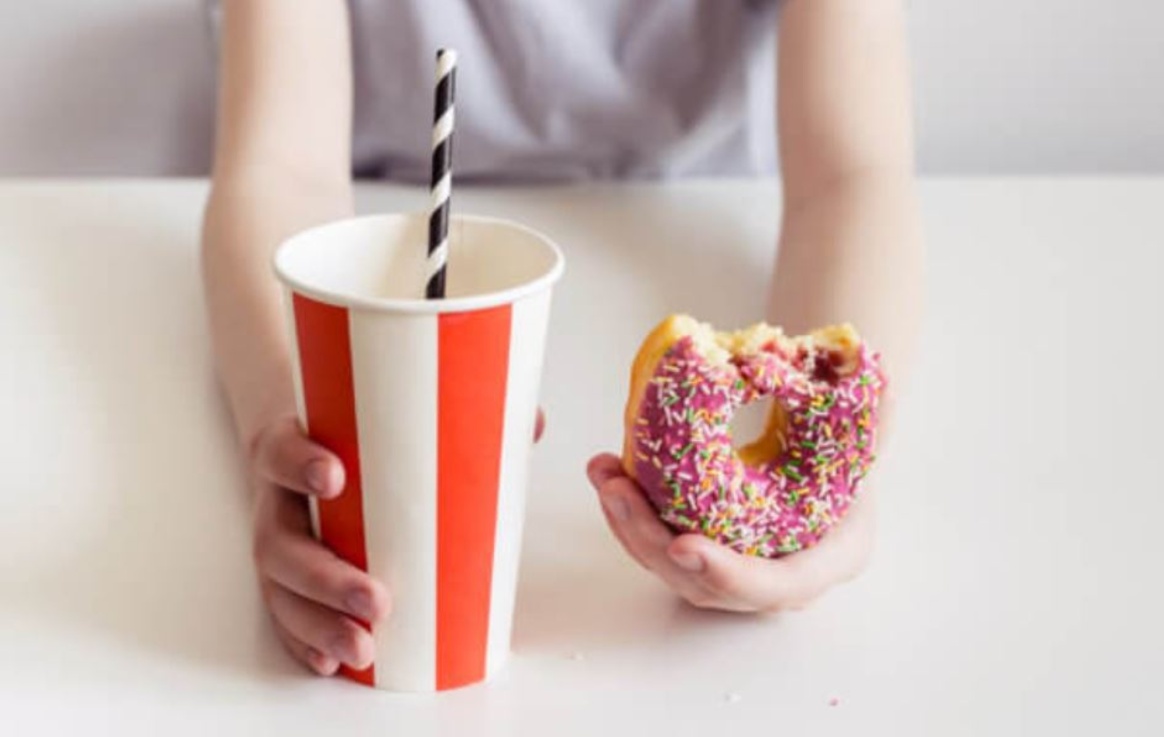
(602,468)
(756,583)
(282,454)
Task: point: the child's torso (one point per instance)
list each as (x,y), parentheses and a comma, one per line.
(568,90)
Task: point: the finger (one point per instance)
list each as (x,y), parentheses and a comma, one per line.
(631,518)
(324,665)
(647,552)
(285,456)
(298,562)
(677,580)
(744,582)
(790,582)
(602,468)
(540,425)
(633,521)
(637,527)
(323,629)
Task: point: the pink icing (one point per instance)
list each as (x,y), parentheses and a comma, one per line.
(685,460)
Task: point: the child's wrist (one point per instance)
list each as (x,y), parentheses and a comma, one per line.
(254,415)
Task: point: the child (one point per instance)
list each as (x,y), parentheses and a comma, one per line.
(314,89)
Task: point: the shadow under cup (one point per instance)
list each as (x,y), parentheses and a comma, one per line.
(431,406)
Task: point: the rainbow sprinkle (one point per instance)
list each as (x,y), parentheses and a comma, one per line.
(686,461)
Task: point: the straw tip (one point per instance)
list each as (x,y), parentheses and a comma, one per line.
(449,55)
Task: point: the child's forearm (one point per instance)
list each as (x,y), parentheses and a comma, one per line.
(853,253)
(244,223)
(281,163)
(850,250)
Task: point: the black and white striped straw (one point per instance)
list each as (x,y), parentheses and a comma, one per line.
(442,173)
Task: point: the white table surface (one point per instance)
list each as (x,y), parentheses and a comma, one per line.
(1016,586)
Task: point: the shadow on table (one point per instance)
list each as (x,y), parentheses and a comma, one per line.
(602,605)
(153,541)
(581,595)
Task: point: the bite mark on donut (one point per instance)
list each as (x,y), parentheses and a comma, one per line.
(782,491)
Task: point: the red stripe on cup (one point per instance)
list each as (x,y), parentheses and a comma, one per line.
(474,362)
(325,360)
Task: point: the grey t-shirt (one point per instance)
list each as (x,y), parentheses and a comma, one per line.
(568,89)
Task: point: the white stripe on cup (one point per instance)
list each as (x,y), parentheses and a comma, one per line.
(394,370)
(297,379)
(527,338)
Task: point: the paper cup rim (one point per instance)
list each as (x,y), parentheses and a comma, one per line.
(470,303)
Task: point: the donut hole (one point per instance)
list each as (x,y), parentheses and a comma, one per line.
(749,421)
(757,431)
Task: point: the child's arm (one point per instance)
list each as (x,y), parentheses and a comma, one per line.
(850,247)
(850,251)
(282,164)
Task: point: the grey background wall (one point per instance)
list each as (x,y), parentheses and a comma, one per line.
(1002,86)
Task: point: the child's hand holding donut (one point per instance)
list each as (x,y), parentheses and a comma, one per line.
(766,525)
(712,576)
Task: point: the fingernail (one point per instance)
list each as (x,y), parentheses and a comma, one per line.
(600,474)
(343,650)
(360,604)
(316,474)
(596,477)
(688,561)
(617,507)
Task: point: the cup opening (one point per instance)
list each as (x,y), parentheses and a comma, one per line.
(378,262)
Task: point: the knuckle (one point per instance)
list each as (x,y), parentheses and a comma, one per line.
(320,580)
(261,547)
(266,592)
(355,640)
(267,451)
(347,632)
(386,606)
(256,447)
(782,605)
(365,648)
(379,598)
(293,648)
(645,561)
(779,602)
(701,599)
(721,582)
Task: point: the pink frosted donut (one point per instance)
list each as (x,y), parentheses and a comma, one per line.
(783,491)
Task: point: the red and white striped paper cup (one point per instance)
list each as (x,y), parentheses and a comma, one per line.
(431,406)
